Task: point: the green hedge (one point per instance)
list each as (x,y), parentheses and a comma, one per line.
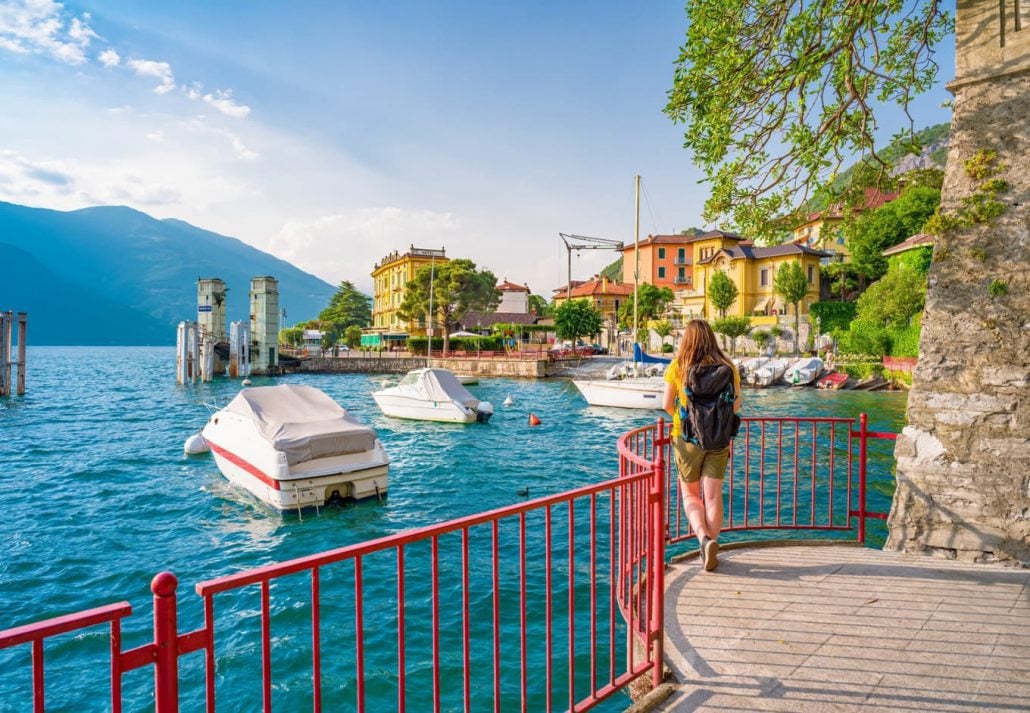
(833,315)
(861,370)
(417,345)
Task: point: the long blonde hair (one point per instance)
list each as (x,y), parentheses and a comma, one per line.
(698,346)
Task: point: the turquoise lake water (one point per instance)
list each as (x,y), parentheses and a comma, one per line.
(99,498)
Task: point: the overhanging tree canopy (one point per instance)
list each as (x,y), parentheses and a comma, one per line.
(776,94)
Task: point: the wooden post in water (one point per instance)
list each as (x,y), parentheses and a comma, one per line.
(5,353)
(23,324)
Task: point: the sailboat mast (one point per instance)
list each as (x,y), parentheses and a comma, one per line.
(636,256)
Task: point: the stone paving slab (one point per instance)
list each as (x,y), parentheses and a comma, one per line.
(837,628)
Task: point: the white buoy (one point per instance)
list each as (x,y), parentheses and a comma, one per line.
(246,382)
(509,401)
(195,445)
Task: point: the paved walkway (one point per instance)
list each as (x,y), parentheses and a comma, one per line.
(846,628)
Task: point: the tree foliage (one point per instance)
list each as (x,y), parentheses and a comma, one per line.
(577,318)
(352,336)
(732,327)
(894,299)
(888,225)
(347,308)
(776,94)
(722,292)
(539,306)
(833,315)
(651,304)
(291,336)
(663,329)
(455,288)
(791,284)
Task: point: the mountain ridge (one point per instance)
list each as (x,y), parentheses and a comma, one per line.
(137,266)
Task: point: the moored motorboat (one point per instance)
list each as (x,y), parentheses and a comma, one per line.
(803,371)
(747,366)
(835,380)
(432,395)
(467,379)
(294,447)
(639,392)
(768,373)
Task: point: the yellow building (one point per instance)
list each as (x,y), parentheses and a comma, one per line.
(606,296)
(752,270)
(821,231)
(390,279)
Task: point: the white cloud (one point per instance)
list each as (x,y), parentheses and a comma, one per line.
(345,246)
(223,101)
(109,58)
(157,137)
(194,91)
(239,147)
(161,71)
(39,27)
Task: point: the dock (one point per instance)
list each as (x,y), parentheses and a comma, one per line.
(834,628)
(9,359)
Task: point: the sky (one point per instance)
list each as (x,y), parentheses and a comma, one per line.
(332,133)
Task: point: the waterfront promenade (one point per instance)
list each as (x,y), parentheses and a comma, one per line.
(838,628)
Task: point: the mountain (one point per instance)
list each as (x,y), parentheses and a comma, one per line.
(933,141)
(114,275)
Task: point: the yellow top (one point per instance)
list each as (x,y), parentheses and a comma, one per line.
(672,376)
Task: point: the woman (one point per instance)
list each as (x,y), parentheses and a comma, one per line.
(699,470)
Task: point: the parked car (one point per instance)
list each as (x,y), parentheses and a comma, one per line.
(598,349)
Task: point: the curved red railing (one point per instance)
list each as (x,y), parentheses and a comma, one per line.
(787,474)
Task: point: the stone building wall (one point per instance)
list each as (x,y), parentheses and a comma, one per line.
(964,459)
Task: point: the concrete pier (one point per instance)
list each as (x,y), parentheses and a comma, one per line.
(9,384)
(810,628)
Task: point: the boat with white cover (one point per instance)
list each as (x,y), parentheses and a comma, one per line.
(432,395)
(747,366)
(627,385)
(294,447)
(768,373)
(803,371)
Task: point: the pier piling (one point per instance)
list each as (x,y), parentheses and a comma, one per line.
(7,322)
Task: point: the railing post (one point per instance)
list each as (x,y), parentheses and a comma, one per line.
(166,644)
(658,555)
(863,423)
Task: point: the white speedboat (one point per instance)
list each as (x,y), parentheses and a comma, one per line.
(803,371)
(768,373)
(432,395)
(294,447)
(747,366)
(639,392)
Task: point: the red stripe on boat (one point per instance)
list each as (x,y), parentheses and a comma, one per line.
(252,469)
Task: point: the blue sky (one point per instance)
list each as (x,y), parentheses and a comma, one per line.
(331,133)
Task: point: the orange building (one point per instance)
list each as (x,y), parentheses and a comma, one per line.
(668,260)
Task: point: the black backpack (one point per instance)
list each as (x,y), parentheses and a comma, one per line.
(708,419)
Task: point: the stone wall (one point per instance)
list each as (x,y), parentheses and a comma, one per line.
(964,459)
(361,365)
(524,368)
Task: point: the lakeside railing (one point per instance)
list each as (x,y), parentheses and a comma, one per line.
(511,593)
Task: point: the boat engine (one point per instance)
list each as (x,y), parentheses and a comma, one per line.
(484,411)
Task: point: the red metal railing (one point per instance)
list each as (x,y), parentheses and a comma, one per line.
(786,474)
(608,537)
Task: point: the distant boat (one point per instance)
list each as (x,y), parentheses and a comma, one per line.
(835,380)
(293,447)
(803,371)
(746,366)
(768,373)
(466,380)
(432,395)
(643,392)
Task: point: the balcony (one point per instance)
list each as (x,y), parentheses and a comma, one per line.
(682,261)
(681,280)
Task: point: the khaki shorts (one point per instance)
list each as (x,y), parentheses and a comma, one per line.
(694,463)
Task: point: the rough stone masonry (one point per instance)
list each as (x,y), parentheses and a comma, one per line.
(964,459)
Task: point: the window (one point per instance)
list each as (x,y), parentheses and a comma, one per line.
(763,277)
(661,253)
(682,253)
(661,273)
(811,274)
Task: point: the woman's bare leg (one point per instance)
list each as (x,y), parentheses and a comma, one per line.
(695,509)
(713,506)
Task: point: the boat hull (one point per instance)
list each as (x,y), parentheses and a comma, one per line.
(622,394)
(399,406)
(250,462)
